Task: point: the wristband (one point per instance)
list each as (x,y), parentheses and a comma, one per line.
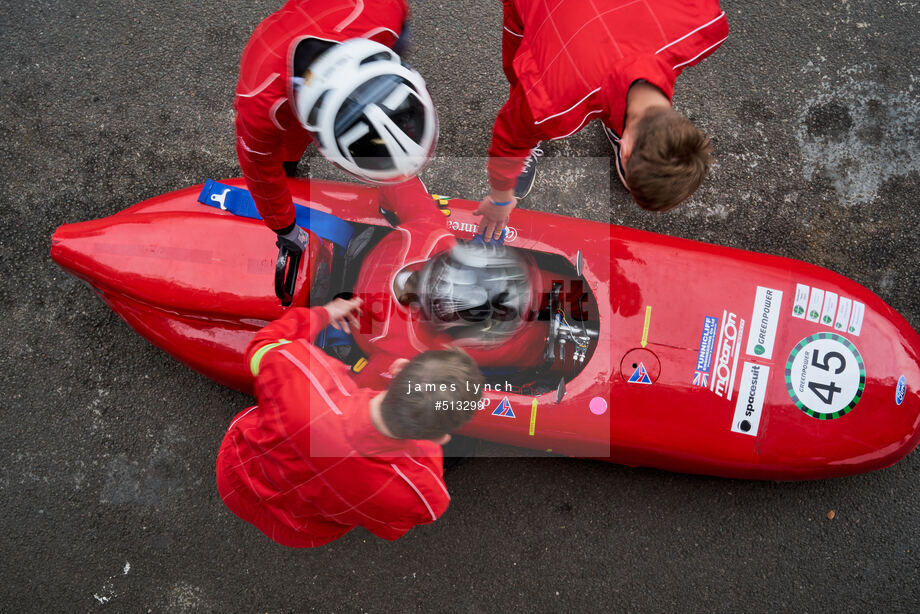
(497,204)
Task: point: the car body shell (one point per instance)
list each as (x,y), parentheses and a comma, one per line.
(752,366)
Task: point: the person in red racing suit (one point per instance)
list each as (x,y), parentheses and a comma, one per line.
(391,328)
(569,62)
(268,132)
(319,456)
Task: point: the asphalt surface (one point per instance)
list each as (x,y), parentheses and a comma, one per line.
(107,446)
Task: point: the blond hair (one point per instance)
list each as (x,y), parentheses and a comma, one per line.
(669,160)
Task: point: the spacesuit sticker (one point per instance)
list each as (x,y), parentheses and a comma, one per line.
(751,394)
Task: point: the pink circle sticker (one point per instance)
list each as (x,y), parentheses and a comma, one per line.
(597,406)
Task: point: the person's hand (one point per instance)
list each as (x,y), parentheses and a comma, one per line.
(343,314)
(295,239)
(396,366)
(494,217)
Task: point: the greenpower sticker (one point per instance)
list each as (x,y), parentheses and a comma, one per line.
(825,375)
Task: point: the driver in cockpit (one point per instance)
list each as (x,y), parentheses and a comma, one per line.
(423,289)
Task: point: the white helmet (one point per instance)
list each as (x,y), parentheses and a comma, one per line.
(372,115)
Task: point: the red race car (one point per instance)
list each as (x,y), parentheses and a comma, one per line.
(640,348)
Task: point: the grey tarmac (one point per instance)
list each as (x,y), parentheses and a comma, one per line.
(107,446)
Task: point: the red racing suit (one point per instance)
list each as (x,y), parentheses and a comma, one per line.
(268,131)
(306,465)
(572,61)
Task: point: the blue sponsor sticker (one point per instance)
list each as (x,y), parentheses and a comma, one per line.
(504,409)
(640,375)
(901,390)
(704,357)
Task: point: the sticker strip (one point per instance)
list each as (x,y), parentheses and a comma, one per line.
(801,301)
(648,319)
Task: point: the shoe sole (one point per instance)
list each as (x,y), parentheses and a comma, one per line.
(615,143)
(529,188)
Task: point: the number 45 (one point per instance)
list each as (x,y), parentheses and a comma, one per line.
(826,392)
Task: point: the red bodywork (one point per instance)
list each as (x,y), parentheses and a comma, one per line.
(196,282)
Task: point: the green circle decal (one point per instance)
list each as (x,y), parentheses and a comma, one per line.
(825,375)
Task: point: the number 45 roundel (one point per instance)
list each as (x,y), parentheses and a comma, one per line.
(825,375)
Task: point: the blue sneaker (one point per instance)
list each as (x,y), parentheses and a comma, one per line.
(528,173)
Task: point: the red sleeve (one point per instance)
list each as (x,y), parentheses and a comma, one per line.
(297,323)
(514,134)
(260,150)
(411,202)
(512,36)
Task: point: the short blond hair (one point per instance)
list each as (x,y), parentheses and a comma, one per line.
(670,158)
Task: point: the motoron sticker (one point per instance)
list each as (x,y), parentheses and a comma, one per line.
(730,335)
(752,391)
(704,356)
(841,313)
(901,390)
(764,319)
(825,375)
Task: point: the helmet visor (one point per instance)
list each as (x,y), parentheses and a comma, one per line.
(362,139)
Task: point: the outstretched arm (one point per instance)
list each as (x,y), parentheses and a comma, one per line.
(260,152)
(410,201)
(301,323)
(513,136)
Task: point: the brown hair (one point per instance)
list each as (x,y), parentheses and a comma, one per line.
(435,393)
(669,159)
